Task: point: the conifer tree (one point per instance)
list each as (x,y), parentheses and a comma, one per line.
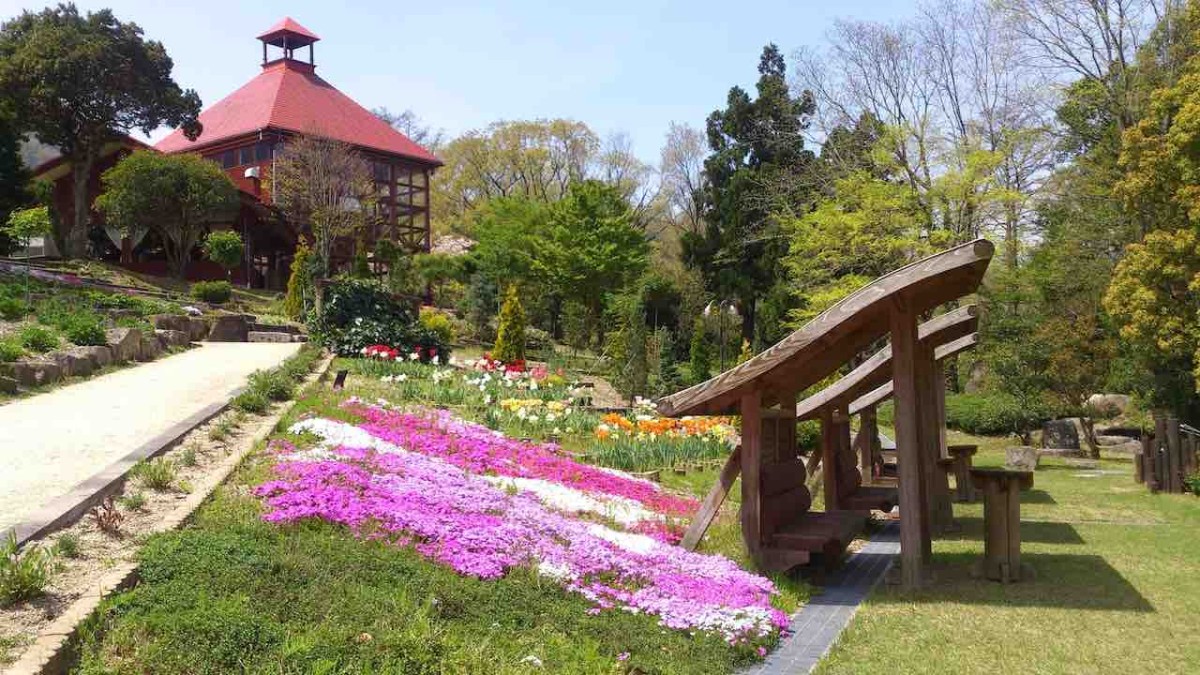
(510,336)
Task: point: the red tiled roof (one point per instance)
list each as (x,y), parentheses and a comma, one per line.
(289,25)
(289,96)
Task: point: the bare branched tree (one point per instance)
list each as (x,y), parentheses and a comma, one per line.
(682,170)
(414,127)
(326,186)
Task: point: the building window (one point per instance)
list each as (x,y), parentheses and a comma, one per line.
(228,159)
(262,151)
(246,155)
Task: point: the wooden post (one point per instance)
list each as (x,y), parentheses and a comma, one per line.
(1161,471)
(868,436)
(751,408)
(939,401)
(712,502)
(914,534)
(935,484)
(829,456)
(1174,455)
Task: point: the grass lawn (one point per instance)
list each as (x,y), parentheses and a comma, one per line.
(1117,587)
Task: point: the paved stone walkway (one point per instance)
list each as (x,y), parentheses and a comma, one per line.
(53,441)
(819,623)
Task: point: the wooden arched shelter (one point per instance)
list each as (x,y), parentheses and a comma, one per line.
(777,526)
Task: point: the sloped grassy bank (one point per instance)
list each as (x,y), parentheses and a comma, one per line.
(233,593)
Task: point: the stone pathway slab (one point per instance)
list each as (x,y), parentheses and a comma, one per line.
(51,442)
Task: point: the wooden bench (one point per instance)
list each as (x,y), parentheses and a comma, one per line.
(853,495)
(792,533)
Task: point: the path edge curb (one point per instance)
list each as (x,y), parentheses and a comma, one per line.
(51,652)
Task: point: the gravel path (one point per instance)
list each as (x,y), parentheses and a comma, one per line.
(53,441)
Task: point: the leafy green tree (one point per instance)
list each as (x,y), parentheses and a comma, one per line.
(81,81)
(25,224)
(174,196)
(13,177)
(510,336)
(869,227)
(700,354)
(592,248)
(629,347)
(1154,296)
(757,168)
(225,248)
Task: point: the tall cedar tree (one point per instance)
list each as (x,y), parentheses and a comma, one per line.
(756,168)
(12,179)
(80,82)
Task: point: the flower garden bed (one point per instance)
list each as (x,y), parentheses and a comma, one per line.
(373,537)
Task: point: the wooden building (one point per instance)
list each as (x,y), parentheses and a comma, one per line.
(243,132)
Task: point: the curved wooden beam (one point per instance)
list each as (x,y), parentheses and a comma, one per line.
(884,391)
(876,370)
(815,351)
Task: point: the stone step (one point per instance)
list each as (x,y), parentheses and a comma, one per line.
(273,336)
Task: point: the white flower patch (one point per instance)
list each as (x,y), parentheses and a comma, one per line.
(560,573)
(621,509)
(334,433)
(634,543)
(626,475)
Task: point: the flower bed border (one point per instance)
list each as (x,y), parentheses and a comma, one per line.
(53,650)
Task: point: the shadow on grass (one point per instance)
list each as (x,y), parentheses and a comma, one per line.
(1036,496)
(1063,581)
(1039,532)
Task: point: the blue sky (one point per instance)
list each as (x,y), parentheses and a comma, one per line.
(621,65)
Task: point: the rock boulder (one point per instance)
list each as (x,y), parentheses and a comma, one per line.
(125,343)
(33,373)
(73,363)
(1022,458)
(1060,434)
(1109,405)
(230,328)
(197,328)
(173,338)
(151,348)
(178,322)
(100,356)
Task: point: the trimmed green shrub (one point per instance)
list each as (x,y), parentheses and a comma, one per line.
(994,414)
(357,314)
(300,282)
(38,338)
(10,350)
(84,329)
(216,292)
(510,336)
(13,309)
(437,323)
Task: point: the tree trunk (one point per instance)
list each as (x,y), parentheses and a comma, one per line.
(1089,436)
(73,242)
(748,309)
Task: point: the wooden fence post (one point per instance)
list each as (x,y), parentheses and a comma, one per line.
(751,408)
